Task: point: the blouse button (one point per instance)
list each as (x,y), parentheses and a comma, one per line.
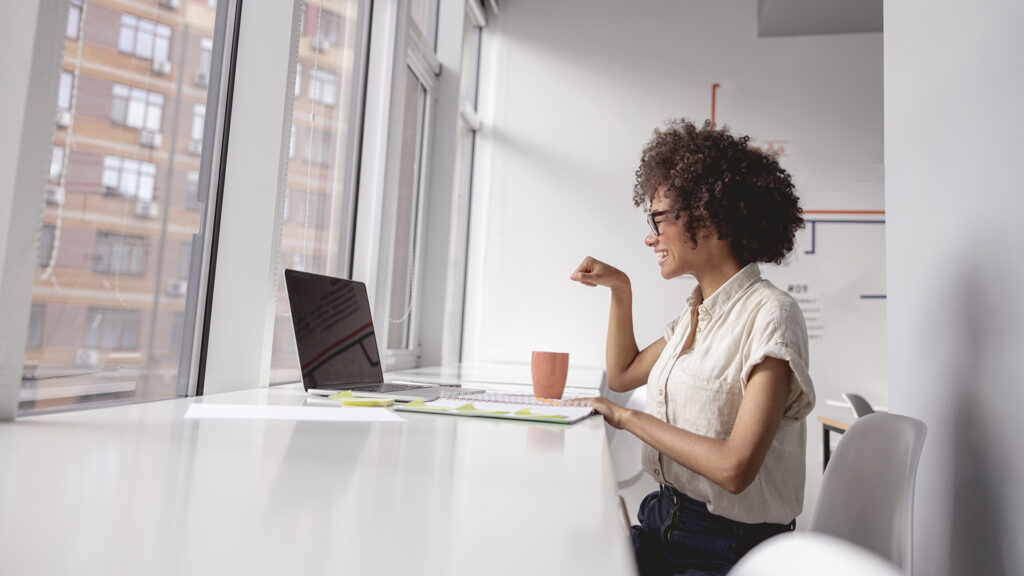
(661,391)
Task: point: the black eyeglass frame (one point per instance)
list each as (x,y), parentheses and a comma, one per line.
(651,222)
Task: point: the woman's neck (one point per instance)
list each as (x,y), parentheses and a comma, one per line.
(713,278)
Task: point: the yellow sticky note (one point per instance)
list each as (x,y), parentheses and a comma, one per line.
(470,409)
(526,412)
(348,399)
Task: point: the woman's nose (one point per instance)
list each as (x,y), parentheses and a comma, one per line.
(650,239)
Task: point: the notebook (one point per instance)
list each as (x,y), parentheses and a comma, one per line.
(336,343)
(505,406)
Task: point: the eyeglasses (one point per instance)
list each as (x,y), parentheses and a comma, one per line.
(653,223)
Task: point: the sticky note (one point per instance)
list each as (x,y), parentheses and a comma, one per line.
(526,412)
(348,399)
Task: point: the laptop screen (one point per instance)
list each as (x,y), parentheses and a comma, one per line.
(333,330)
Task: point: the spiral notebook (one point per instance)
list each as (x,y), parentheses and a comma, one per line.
(506,406)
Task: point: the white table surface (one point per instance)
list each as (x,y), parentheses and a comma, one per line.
(139,490)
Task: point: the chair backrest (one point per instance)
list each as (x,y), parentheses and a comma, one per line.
(867,493)
(861,407)
(811,554)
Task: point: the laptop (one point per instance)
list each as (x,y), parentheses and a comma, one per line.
(336,343)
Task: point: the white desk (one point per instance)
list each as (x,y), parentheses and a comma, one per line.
(139,490)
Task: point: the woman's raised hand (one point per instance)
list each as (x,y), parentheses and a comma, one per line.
(593,272)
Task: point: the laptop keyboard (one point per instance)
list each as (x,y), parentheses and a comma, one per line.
(387,387)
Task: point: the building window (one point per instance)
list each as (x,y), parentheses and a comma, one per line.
(144,38)
(112,329)
(318,147)
(310,209)
(45,252)
(291,144)
(74,19)
(35,326)
(184,260)
(120,254)
(129,178)
(177,327)
(192,183)
(56,164)
(330,27)
(67,81)
(323,87)
(205,55)
(298,79)
(198,121)
(137,108)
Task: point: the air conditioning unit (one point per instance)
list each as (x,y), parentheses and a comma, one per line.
(63,118)
(55,195)
(150,139)
(177,287)
(111,191)
(321,44)
(195,147)
(147,209)
(162,67)
(172,4)
(201,78)
(87,357)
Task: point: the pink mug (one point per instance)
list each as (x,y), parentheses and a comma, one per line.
(549,370)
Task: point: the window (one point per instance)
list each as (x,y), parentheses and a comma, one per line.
(56,164)
(67,81)
(35,326)
(198,121)
(128,177)
(192,189)
(120,254)
(74,19)
(323,87)
(98,241)
(112,329)
(403,262)
(177,327)
(137,108)
(46,238)
(330,27)
(205,55)
(184,260)
(323,147)
(144,38)
(318,146)
(310,209)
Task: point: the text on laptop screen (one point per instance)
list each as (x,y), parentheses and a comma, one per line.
(333,330)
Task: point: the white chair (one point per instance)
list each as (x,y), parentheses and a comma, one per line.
(811,554)
(867,492)
(860,406)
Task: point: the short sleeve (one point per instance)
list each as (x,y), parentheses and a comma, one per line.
(779,331)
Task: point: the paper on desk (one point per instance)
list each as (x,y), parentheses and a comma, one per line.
(265,412)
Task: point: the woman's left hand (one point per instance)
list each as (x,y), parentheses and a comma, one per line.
(613,413)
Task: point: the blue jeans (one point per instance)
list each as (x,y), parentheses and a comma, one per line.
(677,535)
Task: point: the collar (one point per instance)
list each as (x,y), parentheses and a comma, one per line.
(723,298)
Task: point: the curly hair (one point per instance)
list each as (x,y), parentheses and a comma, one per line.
(721,184)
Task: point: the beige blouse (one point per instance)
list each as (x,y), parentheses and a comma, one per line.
(699,388)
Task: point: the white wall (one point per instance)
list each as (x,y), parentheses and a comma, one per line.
(954,83)
(572,90)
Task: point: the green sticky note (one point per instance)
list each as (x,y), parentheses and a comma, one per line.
(526,412)
(470,409)
(348,399)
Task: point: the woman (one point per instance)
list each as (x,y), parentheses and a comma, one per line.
(727,387)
